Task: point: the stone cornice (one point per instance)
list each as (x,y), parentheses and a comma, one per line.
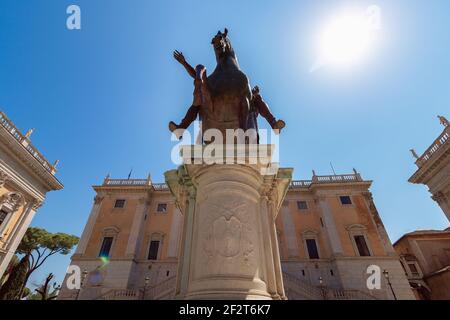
(11,145)
(435,161)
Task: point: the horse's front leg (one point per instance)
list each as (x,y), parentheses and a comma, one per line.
(244,109)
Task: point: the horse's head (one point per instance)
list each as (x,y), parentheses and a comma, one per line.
(222,45)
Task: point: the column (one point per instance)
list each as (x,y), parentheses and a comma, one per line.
(375,217)
(17,235)
(136,229)
(87,232)
(229,246)
(175,233)
(443,202)
(289,231)
(330,227)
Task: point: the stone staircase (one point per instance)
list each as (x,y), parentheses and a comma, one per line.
(297,289)
(161,291)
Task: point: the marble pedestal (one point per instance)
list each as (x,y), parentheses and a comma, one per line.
(229,247)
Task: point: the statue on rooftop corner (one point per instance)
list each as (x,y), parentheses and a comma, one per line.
(443,121)
(224,100)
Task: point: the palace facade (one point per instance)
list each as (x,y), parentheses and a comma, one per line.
(329,233)
(425,256)
(25,178)
(433,168)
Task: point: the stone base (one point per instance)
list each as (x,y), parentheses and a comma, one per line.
(229,246)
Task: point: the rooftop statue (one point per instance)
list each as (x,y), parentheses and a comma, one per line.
(224,100)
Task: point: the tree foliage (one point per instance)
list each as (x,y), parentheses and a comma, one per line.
(12,263)
(13,287)
(37,246)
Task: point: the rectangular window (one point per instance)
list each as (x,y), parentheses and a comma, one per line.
(345,200)
(413,269)
(120,203)
(106,247)
(162,207)
(3,215)
(302,205)
(153,250)
(312,249)
(361,244)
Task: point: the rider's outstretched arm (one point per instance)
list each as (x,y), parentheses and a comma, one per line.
(180,58)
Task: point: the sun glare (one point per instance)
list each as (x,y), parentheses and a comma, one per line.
(345,40)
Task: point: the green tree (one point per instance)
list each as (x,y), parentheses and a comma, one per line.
(38,245)
(12,288)
(12,263)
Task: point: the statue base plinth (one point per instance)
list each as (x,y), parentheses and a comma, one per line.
(229,247)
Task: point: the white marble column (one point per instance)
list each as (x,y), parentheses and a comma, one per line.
(87,232)
(330,227)
(229,245)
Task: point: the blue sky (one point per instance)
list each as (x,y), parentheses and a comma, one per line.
(100,98)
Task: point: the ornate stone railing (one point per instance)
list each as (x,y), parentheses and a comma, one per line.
(25,142)
(307,291)
(295,184)
(121,294)
(337,178)
(435,146)
(334,294)
(162,290)
(135,183)
(341,178)
(160,186)
(127,182)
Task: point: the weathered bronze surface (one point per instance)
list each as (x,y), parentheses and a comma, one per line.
(224,100)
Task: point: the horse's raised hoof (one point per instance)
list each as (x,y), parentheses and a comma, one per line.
(176,129)
(172,126)
(278,125)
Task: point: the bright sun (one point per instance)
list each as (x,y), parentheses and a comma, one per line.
(345,41)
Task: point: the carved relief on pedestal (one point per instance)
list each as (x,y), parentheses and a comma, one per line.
(227,233)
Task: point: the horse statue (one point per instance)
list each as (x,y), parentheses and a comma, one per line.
(224,100)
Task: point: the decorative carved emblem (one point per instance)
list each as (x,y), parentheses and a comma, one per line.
(228,232)
(13,200)
(227,236)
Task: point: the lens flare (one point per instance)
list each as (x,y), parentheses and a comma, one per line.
(345,40)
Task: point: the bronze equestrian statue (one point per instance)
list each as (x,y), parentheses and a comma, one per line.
(224,100)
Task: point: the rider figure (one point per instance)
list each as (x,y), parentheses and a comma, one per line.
(258,105)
